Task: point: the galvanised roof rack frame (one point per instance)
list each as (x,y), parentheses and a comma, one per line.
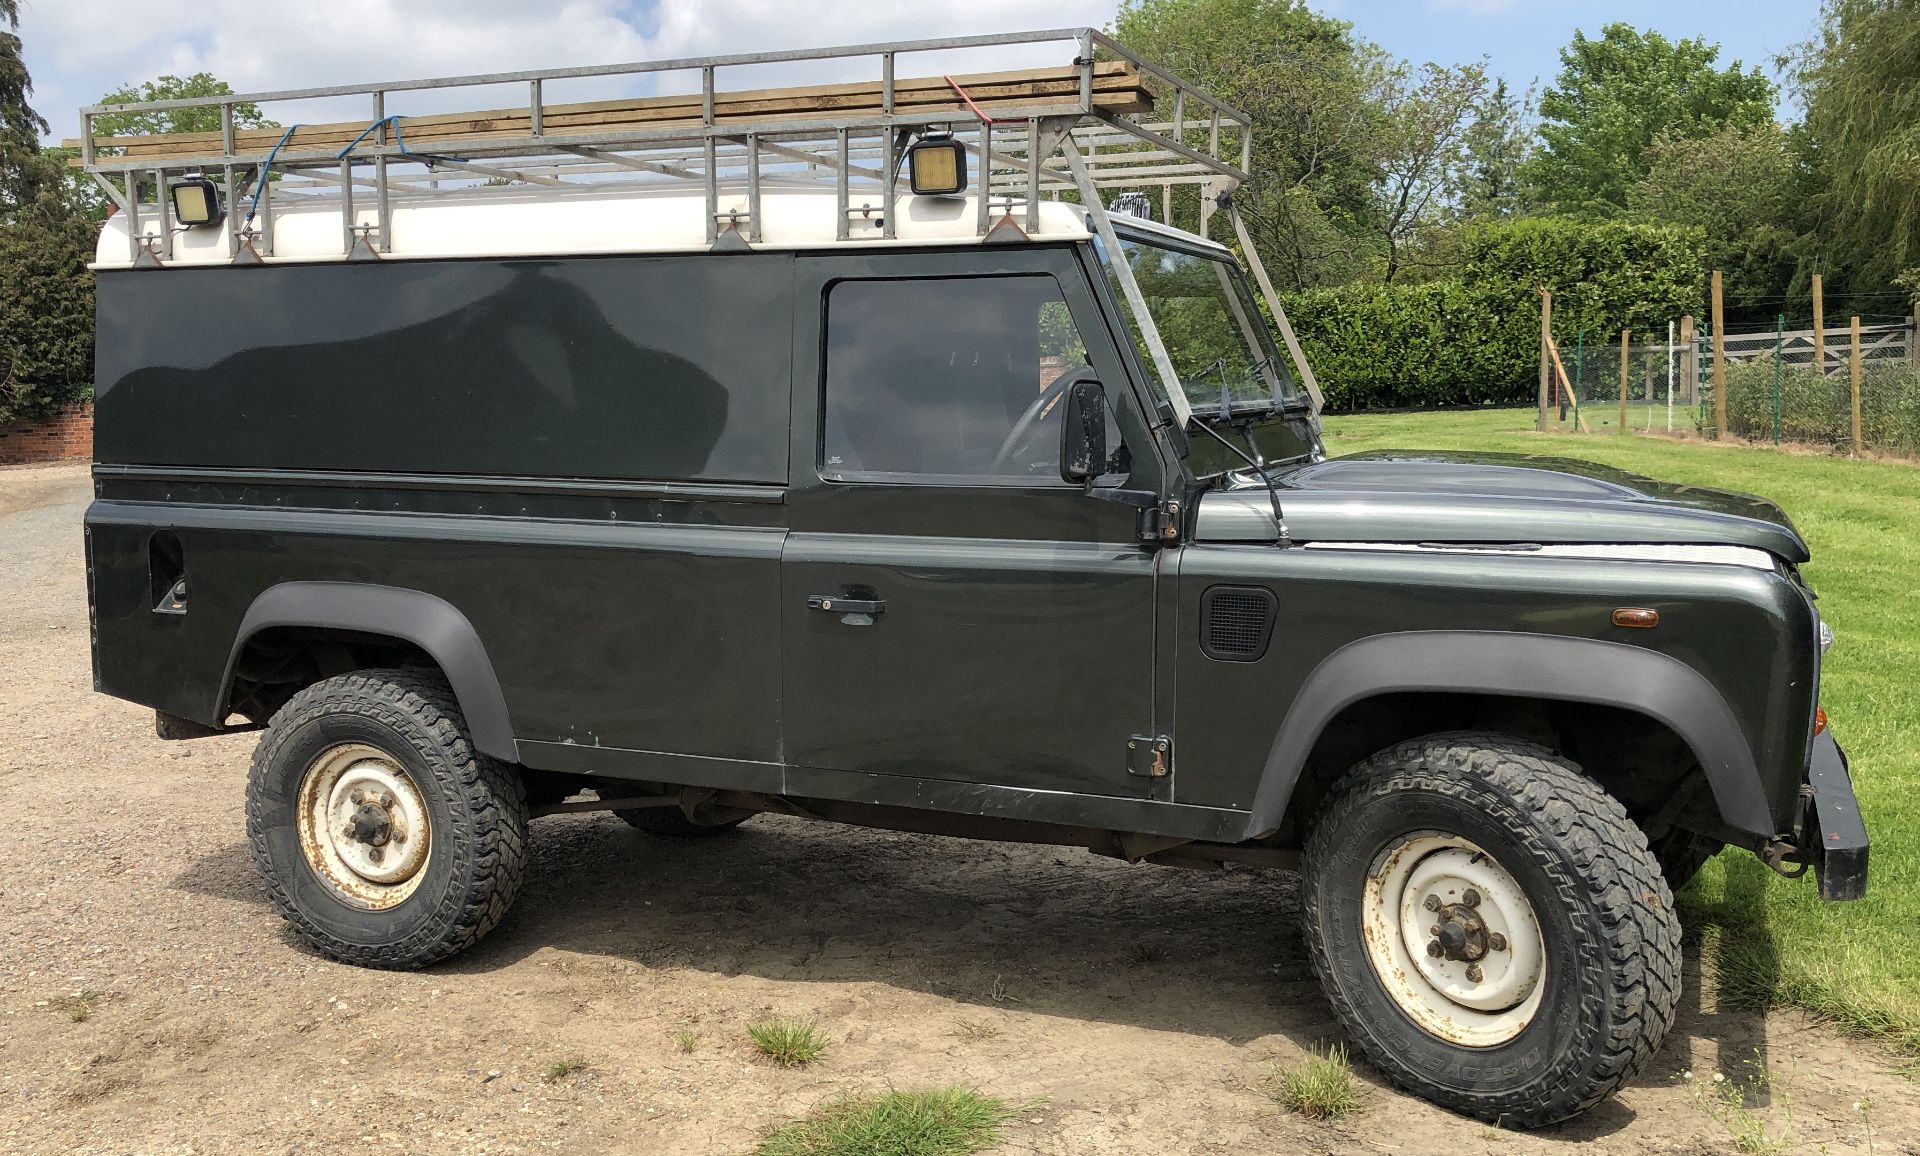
(1021,151)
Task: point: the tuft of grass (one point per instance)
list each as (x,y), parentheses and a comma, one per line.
(976,1030)
(1768,941)
(560,1069)
(942,1122)
(687,1040)
(78,1006)
(789,1042)
(1319,1087)
(1725,1101)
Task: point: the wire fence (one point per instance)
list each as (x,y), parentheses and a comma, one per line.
(1782,386)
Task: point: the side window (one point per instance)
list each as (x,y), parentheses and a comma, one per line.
(948,379)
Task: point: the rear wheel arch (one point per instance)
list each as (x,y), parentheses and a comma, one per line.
(1557,673)
(392,620)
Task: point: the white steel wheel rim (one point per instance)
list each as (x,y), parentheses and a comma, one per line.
(363,826)
(1417,887)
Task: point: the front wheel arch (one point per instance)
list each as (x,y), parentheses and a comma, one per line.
(1548,668)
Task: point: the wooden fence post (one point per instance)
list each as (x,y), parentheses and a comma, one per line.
(1689,360)
(1854,327)
(1719,361)
(1546,340)
(1623,380)
(1819,328)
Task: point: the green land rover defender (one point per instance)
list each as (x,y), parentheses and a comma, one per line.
(882,454)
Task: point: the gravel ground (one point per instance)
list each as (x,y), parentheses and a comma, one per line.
(153,1002)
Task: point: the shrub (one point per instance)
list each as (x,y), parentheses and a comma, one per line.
(1475,339)
(46,314)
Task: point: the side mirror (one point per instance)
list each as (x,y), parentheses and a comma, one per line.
(1083,432)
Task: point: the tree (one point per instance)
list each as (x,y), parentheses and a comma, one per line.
(46,292)
(1313,91)
(1614,96)
(1497,145)
(1422,150)
(205,118)
(1860,81)
(21,170)
(1737,188)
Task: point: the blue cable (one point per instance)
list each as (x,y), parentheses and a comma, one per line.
(254,206)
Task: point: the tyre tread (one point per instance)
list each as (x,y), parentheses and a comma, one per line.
(1626,892)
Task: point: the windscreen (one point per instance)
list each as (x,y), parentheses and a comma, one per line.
(1215,336)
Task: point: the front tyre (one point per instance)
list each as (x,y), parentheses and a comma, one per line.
(1490,927)
(382,836)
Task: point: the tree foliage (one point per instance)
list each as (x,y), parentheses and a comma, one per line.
(205,118)
(1860,80)
(1614,96)
(1740,189)
(1313,91)
(46,292)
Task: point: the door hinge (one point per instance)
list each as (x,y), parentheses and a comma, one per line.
(1150,756)
(1160,523)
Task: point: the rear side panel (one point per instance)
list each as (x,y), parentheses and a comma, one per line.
(586,458)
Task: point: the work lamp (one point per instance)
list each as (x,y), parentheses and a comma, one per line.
(937,166)
(195,201)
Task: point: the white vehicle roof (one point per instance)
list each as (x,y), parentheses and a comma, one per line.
(575,222)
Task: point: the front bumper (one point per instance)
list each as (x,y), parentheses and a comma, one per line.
(1833,837)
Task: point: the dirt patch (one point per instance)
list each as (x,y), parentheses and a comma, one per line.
(1136,1010)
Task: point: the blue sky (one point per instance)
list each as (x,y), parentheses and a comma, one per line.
(1523,39)
(79,49)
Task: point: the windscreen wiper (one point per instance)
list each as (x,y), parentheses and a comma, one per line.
(1281,537)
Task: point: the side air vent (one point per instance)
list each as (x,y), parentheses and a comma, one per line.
(1236,622)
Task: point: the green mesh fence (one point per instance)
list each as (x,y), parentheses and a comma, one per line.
(1658,398)
(1781,399)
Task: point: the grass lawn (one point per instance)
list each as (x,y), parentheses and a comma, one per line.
(1765,939)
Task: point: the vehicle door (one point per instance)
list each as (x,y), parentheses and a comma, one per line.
(953,610)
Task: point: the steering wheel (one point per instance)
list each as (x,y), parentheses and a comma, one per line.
(1023,429)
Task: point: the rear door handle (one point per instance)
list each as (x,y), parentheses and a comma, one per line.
(834,604)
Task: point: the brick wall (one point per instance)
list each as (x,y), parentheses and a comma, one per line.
(67,434)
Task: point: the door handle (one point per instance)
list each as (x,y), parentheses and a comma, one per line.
(834,604)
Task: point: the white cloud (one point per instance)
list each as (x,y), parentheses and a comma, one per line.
(79,49)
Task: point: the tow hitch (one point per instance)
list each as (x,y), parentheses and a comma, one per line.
(1831,837)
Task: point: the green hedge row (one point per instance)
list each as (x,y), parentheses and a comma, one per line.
(46,314)
(1476,338)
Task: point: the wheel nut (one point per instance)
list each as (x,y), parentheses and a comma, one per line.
(376,854)
(1471,898)
(400,836)
(1496,942)
(1473,973)
(359,797)
(1432,903)
(1434,949)
(386,800)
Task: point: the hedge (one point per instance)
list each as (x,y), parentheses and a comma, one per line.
(46,315)
(1475,339)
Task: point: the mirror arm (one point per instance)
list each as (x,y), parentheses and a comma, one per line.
(1157,524)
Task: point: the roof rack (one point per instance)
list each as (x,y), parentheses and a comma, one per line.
(1108,120)
(1131,123)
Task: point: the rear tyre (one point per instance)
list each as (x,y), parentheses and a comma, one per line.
(1490,927)
(382,836)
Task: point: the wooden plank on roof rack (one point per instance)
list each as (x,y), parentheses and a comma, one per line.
(1117,88)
